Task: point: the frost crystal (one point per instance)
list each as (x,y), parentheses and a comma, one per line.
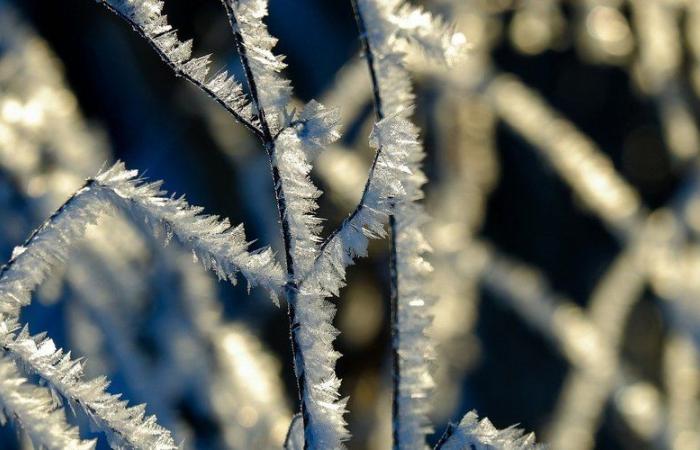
(434,37)
(214,242)
(273,91)
(147,18)
(125,427)
(317,127)
(300,196)
(34,409)
(475,434)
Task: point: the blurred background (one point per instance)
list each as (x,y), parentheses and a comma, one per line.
(562,158)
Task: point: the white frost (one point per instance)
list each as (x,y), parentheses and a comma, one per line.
(33,408)
(480,434)
(214,242)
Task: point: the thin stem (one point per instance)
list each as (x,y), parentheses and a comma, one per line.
(369,57)
(178,72)
(249,75)
(393,269)
(445,436)
(395,335)
(48,223)
(380,115)
(360,206)
(291,288)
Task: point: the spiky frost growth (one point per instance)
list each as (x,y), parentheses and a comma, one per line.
(475,434)
(34,409)
(393,85)
(431,34)
(147,18)
(300,196)
(214,242)
(271,92)
(392,25)
(125,427)
(314,315)
(295,146)
(317,127)
(387,25)
(385,182)
(219,246)
(414,348)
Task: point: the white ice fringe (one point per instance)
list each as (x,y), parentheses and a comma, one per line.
(273,91)
(214,242)
(300,197)
(390,137)
(147,18)
(125,427)
(392,26)
(294,147)
(412,346)
(316,127)
(475,434)
(432,35)
(33,408)
(314,314)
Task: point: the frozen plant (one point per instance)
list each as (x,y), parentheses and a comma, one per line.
(312,268)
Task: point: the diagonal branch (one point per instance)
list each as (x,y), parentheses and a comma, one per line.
(145,18)
(295,194)
(410,304)
(34,409)
(475,433)
(214,242)
(125,427)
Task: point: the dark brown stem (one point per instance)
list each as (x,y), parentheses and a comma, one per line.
(150,39)
(291,288)
(449,431)
(87,186)
(395,335)
(393,270)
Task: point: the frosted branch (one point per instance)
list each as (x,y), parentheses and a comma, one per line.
(269,91)
(147,19)
(384,182)
(125,427)
(429,33)
(214,242)
(300,196)
(35,411)
(480,434)
(381,31)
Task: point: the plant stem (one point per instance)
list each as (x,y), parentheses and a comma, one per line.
(393,269)
(291,288)
(449,431)
(395,335)
(178,71)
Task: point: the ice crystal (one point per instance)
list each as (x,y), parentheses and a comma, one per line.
(480,434)
(34,409)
